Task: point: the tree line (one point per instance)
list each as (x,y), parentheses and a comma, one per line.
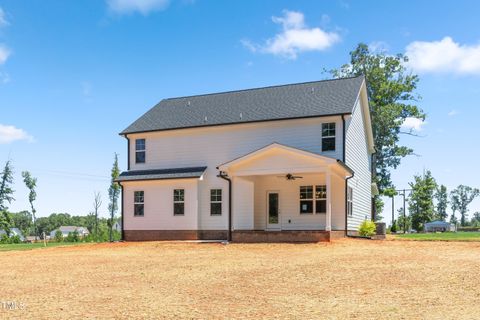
(429,201)
(101,229)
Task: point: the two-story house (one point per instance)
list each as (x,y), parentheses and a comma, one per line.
(281,163)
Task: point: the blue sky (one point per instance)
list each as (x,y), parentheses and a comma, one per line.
(75,73)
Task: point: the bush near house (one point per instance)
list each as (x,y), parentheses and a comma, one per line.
(367,228)
(58,236)
(9,240)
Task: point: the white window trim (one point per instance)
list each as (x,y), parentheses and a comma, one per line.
(313,199)
(316,199)
(144,150)
(179,201)
(135,203)
(328,137)
(349,201)
(216,201)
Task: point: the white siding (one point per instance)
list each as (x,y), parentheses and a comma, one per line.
(358,158)
(158,210)
(243,203)
(213,146)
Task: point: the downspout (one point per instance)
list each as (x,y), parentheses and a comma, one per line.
(223,175)
(128,152)
(123,229)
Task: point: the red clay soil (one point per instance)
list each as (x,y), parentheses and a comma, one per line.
(346,279)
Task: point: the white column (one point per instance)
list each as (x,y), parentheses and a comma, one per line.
(328,218)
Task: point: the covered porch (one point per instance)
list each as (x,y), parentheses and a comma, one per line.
(280,193)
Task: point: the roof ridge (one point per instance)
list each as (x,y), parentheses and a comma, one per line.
(259,88)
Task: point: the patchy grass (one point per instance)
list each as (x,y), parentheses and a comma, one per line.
(37,245)
(445,236)
(346,279)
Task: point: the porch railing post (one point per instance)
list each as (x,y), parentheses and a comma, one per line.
(328,218)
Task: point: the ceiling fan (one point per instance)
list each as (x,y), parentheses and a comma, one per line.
(290,176)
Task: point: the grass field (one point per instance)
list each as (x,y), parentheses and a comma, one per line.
(445,236)
(37,245)
(346,279)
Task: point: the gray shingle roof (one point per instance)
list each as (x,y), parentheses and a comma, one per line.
(174,173)
(309,99)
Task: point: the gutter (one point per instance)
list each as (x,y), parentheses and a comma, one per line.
(128,152)
(121,206)
(223,175)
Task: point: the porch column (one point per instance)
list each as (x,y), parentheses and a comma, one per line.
(328,217)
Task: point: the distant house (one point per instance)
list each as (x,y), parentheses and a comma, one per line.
(439,226)
(13,232)
(82,231)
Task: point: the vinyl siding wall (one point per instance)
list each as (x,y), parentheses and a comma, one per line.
(213,146)
(358,158)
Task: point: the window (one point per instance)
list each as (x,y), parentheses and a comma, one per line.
(216,202)
(178,202)
(320,199)
(349,201)
(307,203)
(138,203)
(306,199)
(140,151)
(328,136)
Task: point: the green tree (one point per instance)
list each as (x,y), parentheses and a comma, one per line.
(391,90)
(58,236)
(114,194)
(23,221)
(31,184)
(441,195)
(403,223)
(420,203)
(476,219)
(6,196)
(461,197)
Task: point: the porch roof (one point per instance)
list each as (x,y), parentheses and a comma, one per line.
(318,159)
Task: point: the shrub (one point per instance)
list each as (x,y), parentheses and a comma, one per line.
(58,236)
(394,226)
(367,228)
(4,238)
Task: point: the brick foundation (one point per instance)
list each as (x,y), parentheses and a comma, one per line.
(246,236)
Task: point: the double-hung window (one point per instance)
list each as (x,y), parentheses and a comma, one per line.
(140,150)
(350,201)
(178,202)
(311,202)
(306,199)
(328,136)
(216,202)
(320,199)
(138,203)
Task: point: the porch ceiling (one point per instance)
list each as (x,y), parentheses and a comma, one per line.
(281,159)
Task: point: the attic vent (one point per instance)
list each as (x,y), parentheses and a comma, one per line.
(188,103)
(206,119)
(241,115)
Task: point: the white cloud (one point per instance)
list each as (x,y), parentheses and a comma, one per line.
(378,47)
(294,38)
(413,124)
(3,18)
(4,77)
(9,134)
(444,56)
(4,54)
(131,6)
(453,113)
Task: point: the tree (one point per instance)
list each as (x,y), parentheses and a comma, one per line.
(420,204)
(58,236)
(6,196)
(441,195)
(391,94)
(31,184)
(97,203)
(476,219)
(23,221)
(403,223)
(113,193)
(461,197)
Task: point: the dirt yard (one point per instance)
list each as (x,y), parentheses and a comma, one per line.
(346,279)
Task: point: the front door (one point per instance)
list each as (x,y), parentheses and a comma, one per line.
(273,213)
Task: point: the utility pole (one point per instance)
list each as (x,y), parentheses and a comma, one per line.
(393,209)
(404,214)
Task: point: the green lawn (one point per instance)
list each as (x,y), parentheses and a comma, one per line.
(38,245)
(446,236)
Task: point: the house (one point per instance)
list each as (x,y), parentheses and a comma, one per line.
(65,230)
(13,232)
(439,226)
(281,163)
